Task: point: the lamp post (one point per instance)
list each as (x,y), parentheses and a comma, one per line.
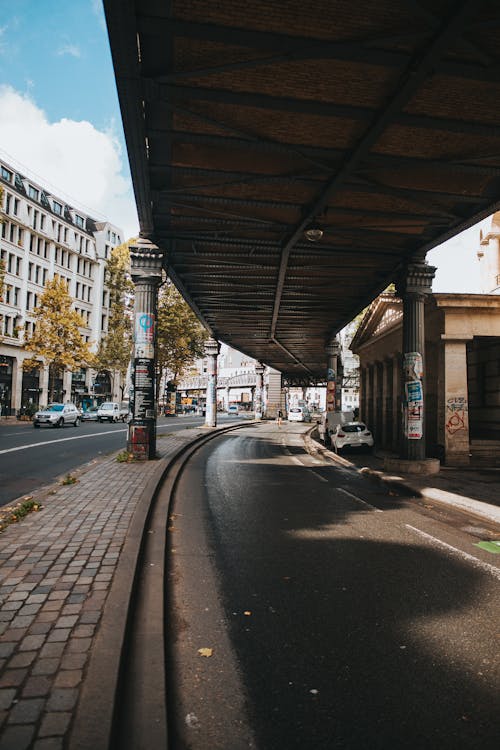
(146,261)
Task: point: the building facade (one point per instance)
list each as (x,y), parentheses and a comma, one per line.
(461,375)
(41,237)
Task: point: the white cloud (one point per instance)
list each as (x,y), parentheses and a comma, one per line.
(69,49)
(73,159)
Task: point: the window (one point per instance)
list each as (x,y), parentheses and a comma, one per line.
(8,199)
(16,206)
(57,208)
(33,192)
(6,175)
(79,221)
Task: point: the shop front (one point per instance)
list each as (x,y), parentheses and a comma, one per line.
(30,396)
(6,370)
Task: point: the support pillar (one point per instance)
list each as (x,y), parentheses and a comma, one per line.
(413,288)
(212,348)
(333,354)
(259,372)
(146,261)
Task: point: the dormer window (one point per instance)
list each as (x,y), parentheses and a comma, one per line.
(79,221)
(33,193)
(57,208)
(6,175)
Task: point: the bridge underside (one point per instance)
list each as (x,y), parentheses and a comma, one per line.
(247,122)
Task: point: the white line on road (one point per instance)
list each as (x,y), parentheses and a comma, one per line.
(464,555)
(60,440)
(359,500)
(318,476)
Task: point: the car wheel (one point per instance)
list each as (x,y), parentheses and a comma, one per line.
(60,423)
(77,422)
(35,425)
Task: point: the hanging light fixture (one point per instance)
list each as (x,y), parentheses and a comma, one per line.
(313,232)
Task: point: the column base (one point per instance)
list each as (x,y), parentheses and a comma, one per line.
(421,467)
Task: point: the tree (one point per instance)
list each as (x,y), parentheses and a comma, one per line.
(113,354)
(56,337)
(180,336)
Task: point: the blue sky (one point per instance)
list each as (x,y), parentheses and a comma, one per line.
(61,121)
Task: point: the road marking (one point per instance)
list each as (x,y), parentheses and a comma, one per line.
(359,500)
(464,555)
(60,440)
(318,476)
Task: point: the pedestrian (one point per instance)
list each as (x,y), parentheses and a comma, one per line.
(279,417)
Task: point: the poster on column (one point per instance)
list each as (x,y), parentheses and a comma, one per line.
(144,407)
(414,417)
(144,330)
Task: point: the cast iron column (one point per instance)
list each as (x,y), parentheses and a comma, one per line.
(333,352)
(212,348)
(259,372)
(414,286)
(146,264)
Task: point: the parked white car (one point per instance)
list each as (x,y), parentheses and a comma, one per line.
(57,415)
(355,435)
(299,414)
(111,411)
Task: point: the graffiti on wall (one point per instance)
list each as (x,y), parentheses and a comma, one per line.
(456,414)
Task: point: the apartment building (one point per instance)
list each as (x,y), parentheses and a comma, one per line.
(42,236)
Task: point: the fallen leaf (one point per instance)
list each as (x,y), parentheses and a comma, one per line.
(205,652)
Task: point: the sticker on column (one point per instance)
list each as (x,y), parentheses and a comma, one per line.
(414,422)
(413,367)
(144,335)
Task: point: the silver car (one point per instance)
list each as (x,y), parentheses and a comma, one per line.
(57,415)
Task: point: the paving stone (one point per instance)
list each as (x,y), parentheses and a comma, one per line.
(22,660)
(62,699)
(12,677)
(6,649)
(59,635)
(7,695)
(37,686)
(45,666)
(55,724)
(74,661)
(32,642)
(68,678)
(17,737)
(51,650)
(49,743)
(26,711)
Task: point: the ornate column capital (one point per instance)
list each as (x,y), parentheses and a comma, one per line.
(333,347)
(146,261)
(212,347)
(259,368)
(416,280)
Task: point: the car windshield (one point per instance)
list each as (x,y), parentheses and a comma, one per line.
(354,428)
(55,407)
(295,411)
(107,406)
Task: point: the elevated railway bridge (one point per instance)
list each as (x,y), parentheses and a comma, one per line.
(290,160)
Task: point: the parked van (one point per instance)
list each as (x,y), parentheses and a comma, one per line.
(299,414)
(111,411)
(329,421)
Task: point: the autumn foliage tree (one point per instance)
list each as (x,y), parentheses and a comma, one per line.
(114,351)
(180,336)
(56,338)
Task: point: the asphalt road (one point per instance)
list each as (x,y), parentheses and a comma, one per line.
(335,615)
(32,458)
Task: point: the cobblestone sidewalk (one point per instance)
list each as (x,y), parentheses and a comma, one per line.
(56,569)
